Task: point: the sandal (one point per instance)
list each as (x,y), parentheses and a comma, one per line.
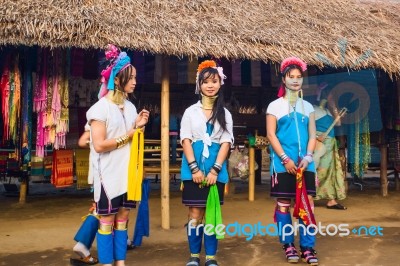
(193,261)
(130,246)
(291,253)
(211,263)
(89,260)
(337,206)
(308,255)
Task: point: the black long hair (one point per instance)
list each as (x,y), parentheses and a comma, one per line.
(218,110)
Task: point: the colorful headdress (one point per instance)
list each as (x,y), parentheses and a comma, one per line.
(293,61)
(118,62)
(209,64)
(284,66)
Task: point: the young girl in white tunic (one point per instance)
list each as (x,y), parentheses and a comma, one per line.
(113,120)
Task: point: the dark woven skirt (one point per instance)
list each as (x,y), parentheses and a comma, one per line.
(286,186)
(194,196)
(107,207)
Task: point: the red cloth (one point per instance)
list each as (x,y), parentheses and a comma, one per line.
(302,208)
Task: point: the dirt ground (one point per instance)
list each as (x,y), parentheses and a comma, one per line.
(41,231)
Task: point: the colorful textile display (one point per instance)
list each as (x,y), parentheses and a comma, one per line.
(62,174)
(10,85)
(82,168)
(51,98)
(302,209)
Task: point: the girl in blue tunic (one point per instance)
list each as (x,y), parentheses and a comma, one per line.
(291,131)
(206,136)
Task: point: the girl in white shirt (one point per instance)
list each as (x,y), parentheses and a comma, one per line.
(206,136)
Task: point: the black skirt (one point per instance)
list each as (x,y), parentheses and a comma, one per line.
(194,196)
(286,186)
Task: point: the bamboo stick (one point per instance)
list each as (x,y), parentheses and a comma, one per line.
(251,173)
(165,216)
(383,170)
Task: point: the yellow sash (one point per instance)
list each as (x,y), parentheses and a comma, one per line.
(135,168)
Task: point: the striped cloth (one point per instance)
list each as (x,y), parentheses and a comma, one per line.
(62,174)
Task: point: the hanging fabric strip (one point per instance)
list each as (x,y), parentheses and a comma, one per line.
(149,62)
(135,168)
(245,73)
(138,59)
(173,70)
(255,73)
(15,102)
(265,75)
(5,94)
(236,73)
(182,66)
(158,69)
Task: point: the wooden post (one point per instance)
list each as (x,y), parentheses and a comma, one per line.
(383,170)
(251,173)
(396,180)
(165,217)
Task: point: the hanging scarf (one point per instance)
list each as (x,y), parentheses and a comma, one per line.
(142,225)
(5,94)
(15,101)
(302,209)
(135,168)
(41,81)
(40,102)
(213,210)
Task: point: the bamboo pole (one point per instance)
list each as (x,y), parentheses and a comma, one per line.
(396,173)
(383,166)
(165,217)
(26,121)
(251,172)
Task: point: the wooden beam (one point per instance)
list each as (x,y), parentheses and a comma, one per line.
(165,216)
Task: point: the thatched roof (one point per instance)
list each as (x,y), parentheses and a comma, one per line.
(257,29)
